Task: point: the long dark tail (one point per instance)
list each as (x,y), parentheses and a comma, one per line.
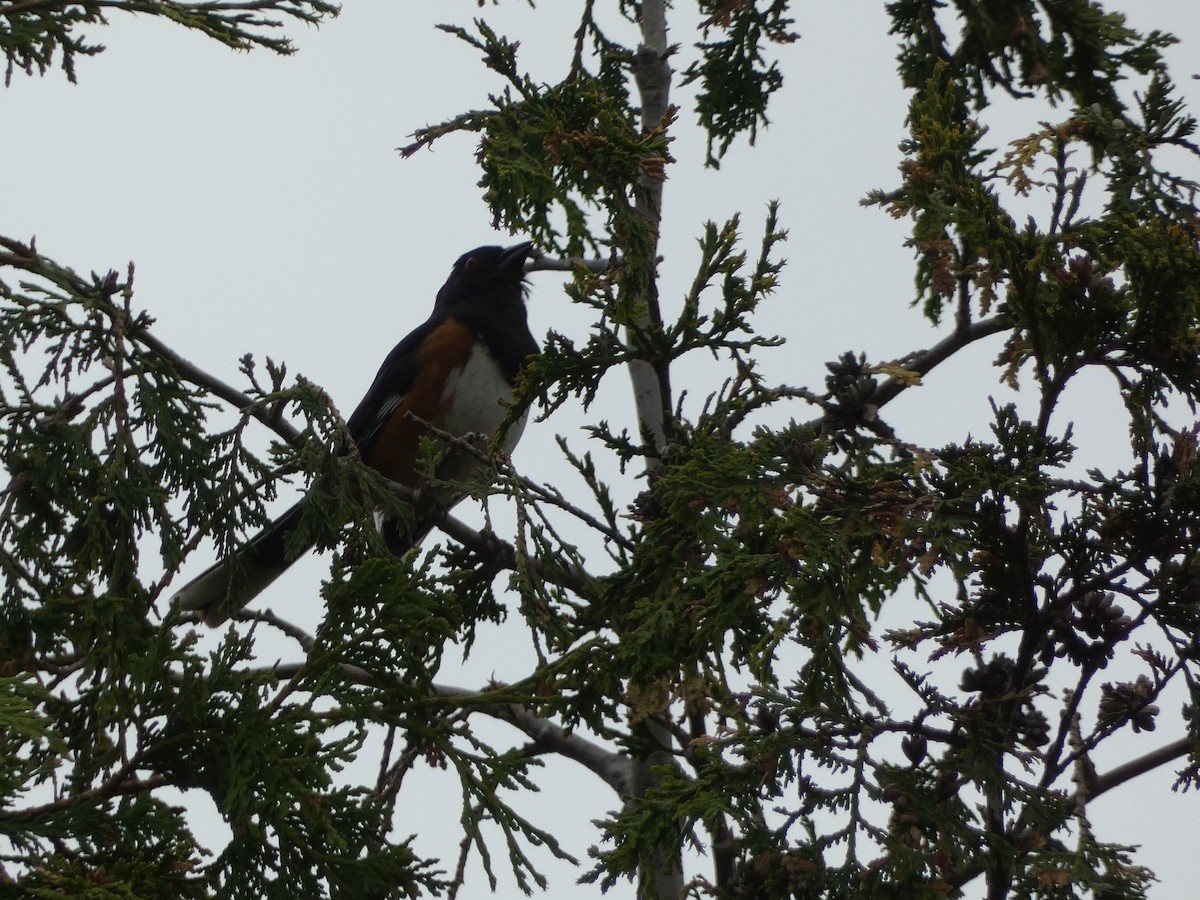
(234,581)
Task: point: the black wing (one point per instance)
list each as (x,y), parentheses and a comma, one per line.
(394,379)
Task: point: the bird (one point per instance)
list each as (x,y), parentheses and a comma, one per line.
(455,371)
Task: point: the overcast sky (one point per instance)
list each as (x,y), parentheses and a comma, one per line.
(268,212)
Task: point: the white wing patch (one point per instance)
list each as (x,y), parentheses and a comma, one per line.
(386,408)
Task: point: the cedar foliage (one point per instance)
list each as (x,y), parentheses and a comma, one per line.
(706,662)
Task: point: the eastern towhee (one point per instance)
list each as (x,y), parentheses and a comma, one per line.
(456,372)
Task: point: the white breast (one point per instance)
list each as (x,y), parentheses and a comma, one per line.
(478,392)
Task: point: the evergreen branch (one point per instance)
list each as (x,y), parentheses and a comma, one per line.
(266,414)
(613,768)
(587,23)
(32,31)
(1101,784)
(469,444)
(119,783)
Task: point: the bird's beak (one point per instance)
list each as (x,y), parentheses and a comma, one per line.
(513,259)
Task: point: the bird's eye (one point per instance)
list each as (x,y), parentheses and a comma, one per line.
(471,263)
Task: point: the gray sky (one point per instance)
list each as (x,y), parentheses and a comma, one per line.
(267,212)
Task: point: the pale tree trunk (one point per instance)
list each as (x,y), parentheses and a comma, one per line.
(651,388)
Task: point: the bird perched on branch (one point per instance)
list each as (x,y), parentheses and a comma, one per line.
(455,372)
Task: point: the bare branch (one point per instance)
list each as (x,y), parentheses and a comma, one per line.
(571,263)
(1140,766)
(614,769)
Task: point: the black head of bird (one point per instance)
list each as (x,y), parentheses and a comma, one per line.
(495,273)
